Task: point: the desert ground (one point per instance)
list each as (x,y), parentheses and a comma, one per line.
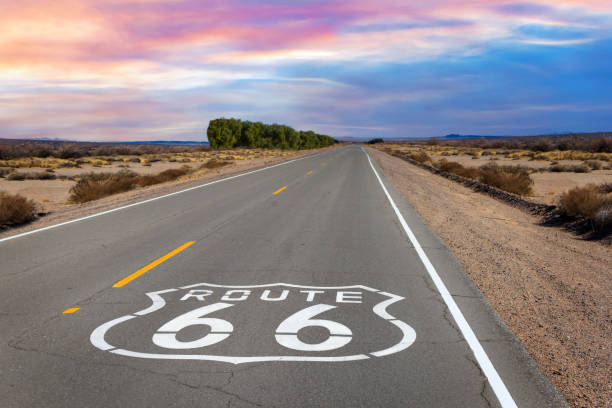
(547,187)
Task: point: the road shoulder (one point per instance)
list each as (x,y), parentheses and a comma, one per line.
(548,287)
(528,387)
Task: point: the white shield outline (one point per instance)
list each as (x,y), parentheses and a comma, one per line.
(158,302)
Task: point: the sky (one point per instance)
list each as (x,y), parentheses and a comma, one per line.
(130,70)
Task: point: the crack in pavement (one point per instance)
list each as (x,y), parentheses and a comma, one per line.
(173,377)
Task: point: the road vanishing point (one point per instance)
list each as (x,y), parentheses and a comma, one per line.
(310,283)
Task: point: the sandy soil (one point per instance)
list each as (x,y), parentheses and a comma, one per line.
(548,187)
(552,289)
(57,193)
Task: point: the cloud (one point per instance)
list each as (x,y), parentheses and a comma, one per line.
(129,69)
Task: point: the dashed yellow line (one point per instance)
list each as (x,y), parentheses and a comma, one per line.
(71,310)
(310,172)
(279,190)
(152,265)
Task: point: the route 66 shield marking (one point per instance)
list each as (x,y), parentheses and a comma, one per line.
(254,323)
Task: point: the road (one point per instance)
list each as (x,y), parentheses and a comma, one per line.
(307,284)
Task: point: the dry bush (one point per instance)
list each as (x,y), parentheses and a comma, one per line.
(594,164)
(16,176)
(419,156)
(214,164)
(569,168)
(4,171)
(513,179)
(584,201)
(41,175)
(458,169)
(605,188)
(94,186)
(164,176)
(16,209)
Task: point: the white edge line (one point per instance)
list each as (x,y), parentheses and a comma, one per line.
(495,381)
(23,234)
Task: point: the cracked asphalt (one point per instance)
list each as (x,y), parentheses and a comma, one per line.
(378,334)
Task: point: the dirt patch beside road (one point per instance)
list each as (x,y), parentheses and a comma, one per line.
(552,289)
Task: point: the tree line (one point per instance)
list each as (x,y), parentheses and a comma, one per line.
(228,133)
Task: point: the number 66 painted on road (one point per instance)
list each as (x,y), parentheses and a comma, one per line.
(286,333)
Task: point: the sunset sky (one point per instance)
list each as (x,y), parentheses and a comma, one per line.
(160,70)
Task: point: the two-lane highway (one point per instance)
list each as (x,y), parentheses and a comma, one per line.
(306,284)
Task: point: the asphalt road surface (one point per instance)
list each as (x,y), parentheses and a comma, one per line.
(306,284)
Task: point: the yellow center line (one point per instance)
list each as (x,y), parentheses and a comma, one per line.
(279,190)
(310,172)
(152,265)
(71,310)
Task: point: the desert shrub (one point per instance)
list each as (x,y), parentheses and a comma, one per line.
(593,164)
(418,155)
(16,209)
(164,176)
(16,176)
(94,186)
(513,179)
(214,164)
(376,140)
(4,171)
(605,188)
(457,168)
(581,168)
(584,201)
(41,175)
(570,168)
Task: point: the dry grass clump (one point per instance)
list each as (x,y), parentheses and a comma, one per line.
(16,176)
(16,209)
(591,202)
(594,164)
(513,179)
(417,155)
(570,168)
(39,175)
(458,169)
(164,176)
(93,186)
